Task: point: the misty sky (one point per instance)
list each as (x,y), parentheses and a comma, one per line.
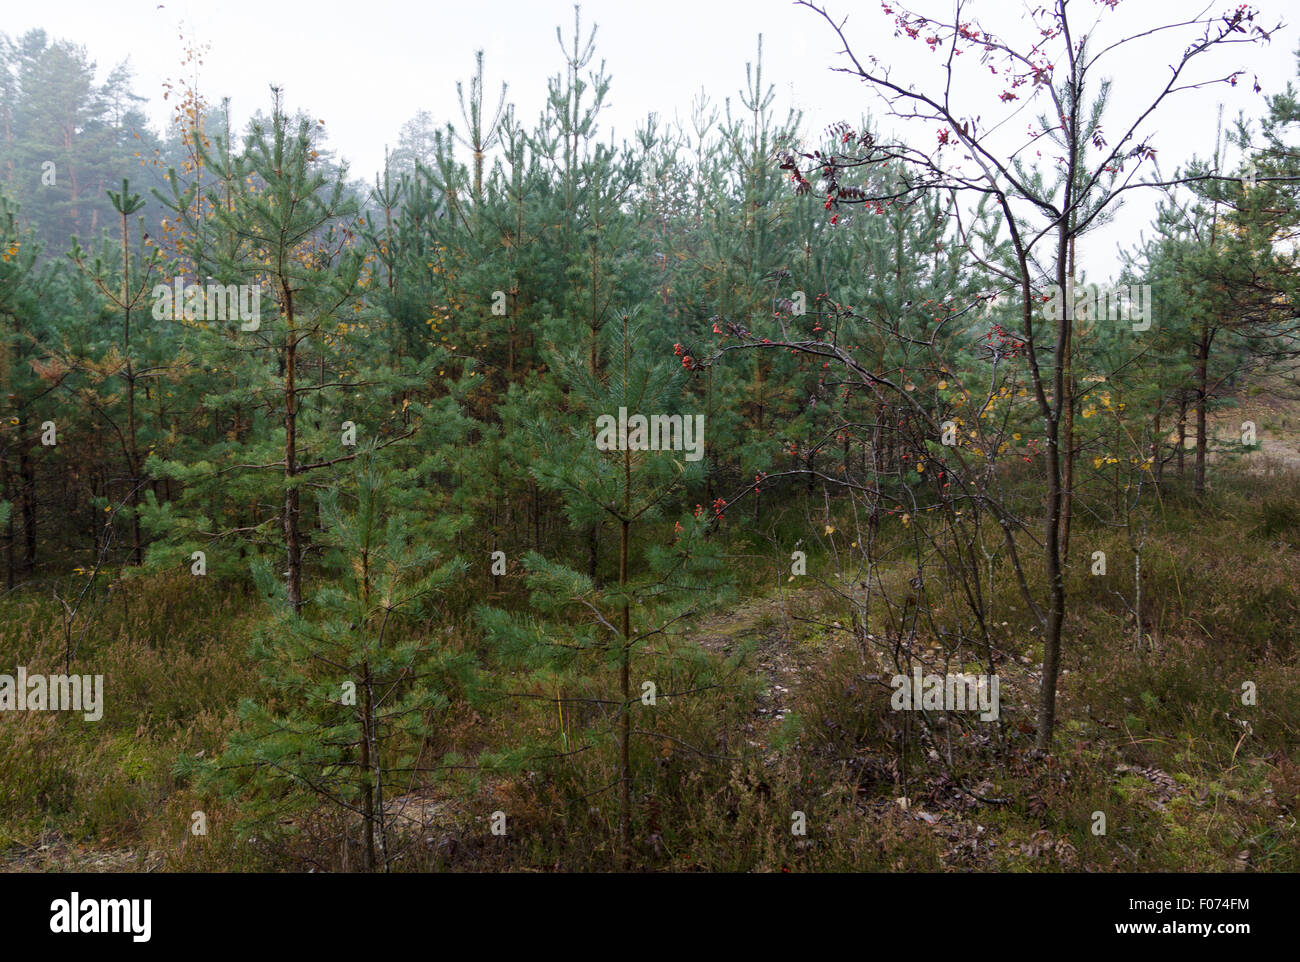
(366,68)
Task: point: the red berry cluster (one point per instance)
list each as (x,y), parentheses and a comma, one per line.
(1004,342)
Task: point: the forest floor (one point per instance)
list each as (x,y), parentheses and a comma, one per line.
(1277,429)
(1000,818)
(1156,740)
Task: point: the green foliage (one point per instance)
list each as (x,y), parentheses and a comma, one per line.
(350,693)
(432,564)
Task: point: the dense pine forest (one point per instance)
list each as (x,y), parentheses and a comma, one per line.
(735,494)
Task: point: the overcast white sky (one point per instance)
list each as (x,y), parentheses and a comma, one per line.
(365,68)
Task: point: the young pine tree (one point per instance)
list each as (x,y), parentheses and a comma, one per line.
(617,628)
(349,693)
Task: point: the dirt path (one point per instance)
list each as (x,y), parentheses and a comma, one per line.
(766,622)
(1277,430)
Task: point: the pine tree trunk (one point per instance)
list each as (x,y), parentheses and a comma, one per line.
(1182,437)
(9,525)
(27,498)
(625,723)
(292,543)
(133,478)
(367,789)
(1202,388)
(1157,462)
